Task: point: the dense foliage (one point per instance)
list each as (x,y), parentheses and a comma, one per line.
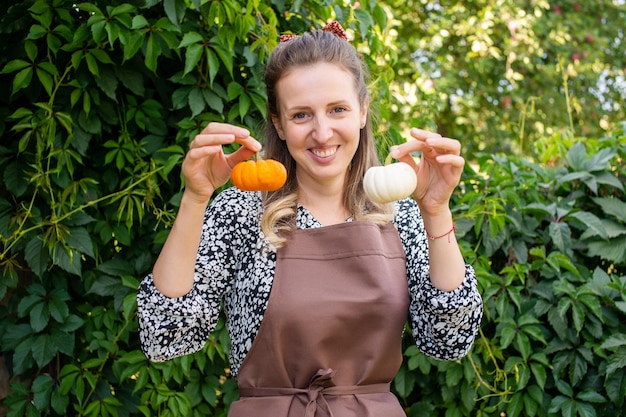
(503,74)
(98,102)
(548,241)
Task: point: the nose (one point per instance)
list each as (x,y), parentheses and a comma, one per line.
(322,129)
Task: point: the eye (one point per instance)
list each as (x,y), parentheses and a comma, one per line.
(299,116)
(339,109)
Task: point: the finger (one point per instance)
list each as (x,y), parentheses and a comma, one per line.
(455,161)
(250,143)
(213,139)
(423,135)
(436,141)
(199,152)
(216,127)
(239,155)
(402,155)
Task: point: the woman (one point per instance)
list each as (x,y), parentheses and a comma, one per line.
(316,280)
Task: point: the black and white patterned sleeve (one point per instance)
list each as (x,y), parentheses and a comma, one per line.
(172,327)
(444,323)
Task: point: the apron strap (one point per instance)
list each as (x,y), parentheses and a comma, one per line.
(317,390)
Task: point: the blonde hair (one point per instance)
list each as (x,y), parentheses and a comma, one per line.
(280,206)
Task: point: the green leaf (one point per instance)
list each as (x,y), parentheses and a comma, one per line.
(615,387)
(71,323)
(616,361)
(225,56)
(68,375)
(101,56)
(67,259)
(613,250)
(213,63)
(27,303)
(15,335)
(42,388)
(578,315)
(591,221)
(153,51)
(123,9)
(612,207)
(130,305)
(36,256)
(39,316)
(14,65)
(43,349)
(92,64)
(614,341)
(58,309)
(139,22)
(522,343)
(591,397)
(507,336)
(608,178)
(404,382)
(115,267)
(58,401)
(213,100)
(80,239)
(46,80)
(192,57)
(22,79)
(516,405)
(175,10)
(244,105)
(577,157)
(540,374)
(89,7)
(196,101)
(561,236)
(31,50)
(578,369)
(133,46)
(105,286)
(190,38)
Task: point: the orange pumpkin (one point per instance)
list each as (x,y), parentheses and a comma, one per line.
(259,175)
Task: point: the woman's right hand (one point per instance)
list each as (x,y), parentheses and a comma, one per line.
(206,167)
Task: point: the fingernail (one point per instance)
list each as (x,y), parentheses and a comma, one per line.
(393,151)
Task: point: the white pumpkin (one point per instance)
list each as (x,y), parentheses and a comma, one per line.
(384,184)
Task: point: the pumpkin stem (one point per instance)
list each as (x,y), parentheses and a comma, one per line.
(388,159)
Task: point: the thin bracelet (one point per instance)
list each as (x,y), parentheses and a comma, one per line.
(445,234)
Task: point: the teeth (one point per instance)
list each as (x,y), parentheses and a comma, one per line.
(324,153)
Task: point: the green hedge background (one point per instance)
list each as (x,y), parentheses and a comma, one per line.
(99,100)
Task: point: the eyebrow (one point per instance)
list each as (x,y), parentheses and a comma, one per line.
(331,104)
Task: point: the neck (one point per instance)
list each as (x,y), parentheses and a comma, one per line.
(326,208)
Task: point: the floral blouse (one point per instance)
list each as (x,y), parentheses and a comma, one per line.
(235,266)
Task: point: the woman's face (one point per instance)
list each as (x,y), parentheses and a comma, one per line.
(320,119)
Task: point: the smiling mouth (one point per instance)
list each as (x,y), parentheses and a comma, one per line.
(324,153)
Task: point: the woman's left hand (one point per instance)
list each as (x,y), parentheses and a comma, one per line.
(438,170)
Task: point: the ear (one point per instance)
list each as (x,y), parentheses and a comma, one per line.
(364,111)
(278,127)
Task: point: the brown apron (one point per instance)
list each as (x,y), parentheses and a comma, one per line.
(330,342)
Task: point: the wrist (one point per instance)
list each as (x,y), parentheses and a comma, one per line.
(439,225)
(192,200)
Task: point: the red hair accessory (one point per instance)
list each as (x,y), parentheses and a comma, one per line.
(286,38)
(333,27)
